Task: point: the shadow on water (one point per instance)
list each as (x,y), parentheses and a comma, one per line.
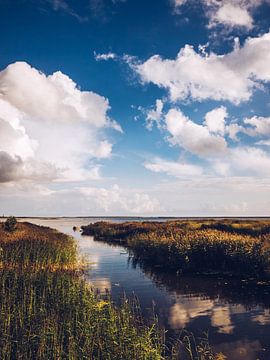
(249,293)
(235,313)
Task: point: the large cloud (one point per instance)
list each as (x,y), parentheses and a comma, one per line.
(233,76)
(50,98)
(49,128)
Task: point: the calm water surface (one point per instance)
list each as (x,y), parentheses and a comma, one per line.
(235,315)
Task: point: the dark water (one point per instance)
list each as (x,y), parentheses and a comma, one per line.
(235,314)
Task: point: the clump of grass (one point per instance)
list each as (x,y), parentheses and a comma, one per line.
(191,247)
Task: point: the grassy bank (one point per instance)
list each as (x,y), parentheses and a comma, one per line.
(48,311)
(35,248)
(226,247)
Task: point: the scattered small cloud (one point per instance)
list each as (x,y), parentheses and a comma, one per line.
(228,13)
(63,6)
(175,169)
(209,142)
(105,57)
(154,116)
(231,15)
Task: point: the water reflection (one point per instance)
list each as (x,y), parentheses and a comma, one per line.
(234,312)
(182,312)
(221,319)
(262,318)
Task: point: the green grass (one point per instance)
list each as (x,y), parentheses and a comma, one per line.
(56,316)
(204,247)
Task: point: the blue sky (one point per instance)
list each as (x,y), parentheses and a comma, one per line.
(124,107)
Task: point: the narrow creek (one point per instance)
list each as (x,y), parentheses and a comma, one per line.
(235,315)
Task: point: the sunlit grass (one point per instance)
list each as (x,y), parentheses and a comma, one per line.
(55,315)
(34,247)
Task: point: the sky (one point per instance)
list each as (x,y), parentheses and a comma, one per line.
(135,108)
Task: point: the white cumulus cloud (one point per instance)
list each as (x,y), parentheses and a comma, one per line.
(193,137)
(49,128)
(244,161)
(231,14)
(233,76)
(215,120)
(259,125)
(228,13)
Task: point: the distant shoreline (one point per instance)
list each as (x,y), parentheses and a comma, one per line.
(142,217)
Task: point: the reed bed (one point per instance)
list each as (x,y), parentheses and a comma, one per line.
(48,310)
(203,247)
(36,247)
(56,316)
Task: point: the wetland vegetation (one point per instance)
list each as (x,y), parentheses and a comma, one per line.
(49,311)
(213,247)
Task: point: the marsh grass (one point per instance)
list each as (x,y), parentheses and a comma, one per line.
(203,247)
(48,311)
(57,316)
(35,247)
